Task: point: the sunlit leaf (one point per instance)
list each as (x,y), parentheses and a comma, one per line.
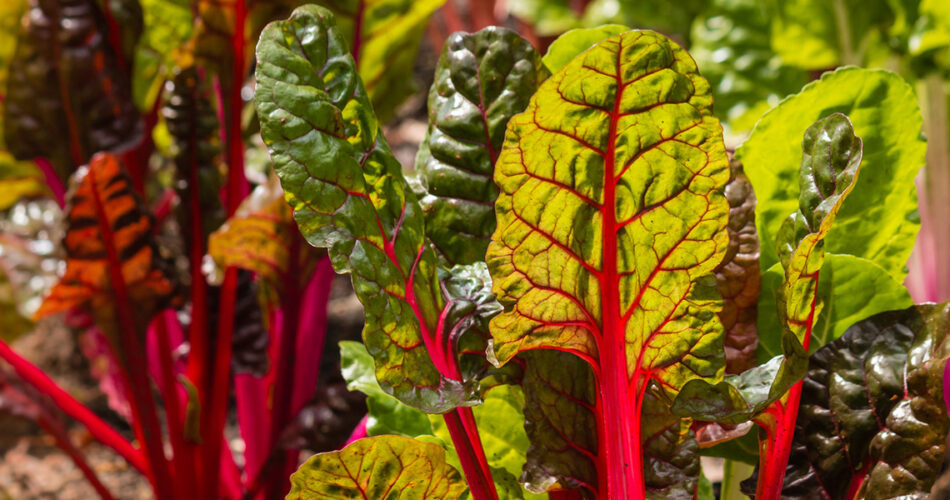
(390,467)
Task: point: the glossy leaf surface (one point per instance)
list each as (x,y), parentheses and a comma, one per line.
(168,25)
(880,220)
(481,81)
(872,418)
(65,83)
(610,219)
(379,467)
(384,37)
(107,223)
(348,195)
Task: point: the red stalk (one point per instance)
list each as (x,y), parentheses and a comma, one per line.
(774,461)
(74,409)
(237,188)
(63,442)
(52,180)
(183,458)
(620,467)
(461,425)
(132,355)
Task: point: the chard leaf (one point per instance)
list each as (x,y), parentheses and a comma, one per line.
(379,467)
(849,289)
(498,420)
(610,221)
(573,42)
(66,95)
(384,38)
(481,81)
(111,257)
(737,276)
(261,237)
(832,156)
(349,196)
(192,123)
(880,221)
(872,423)
(386,414)
(167,27)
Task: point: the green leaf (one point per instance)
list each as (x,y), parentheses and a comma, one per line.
(872,411)
(573,42)
(732,49)
(610,220)
(348,195)
(880,221)
(737,276)
(850,289)
(167,27)
(384,38)
(481,81)
(66,95)
(499,420)
(379,467)
(386,414)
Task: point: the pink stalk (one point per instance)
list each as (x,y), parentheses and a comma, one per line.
(52,180)
(359,432)
(74,409)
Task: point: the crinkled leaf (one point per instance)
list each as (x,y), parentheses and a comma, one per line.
(731,45)
(379,467)
(737,276)
(560,396)
(192,123)
(849,289)
(830,161)
(872,412)
(348,195)
(739,398)
(110,229)
(384,38)
(610,220)
(880,220)
(573,42)
(66,96)
(481,81)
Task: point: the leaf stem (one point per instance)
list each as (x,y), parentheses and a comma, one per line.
(63,442)
(461,425)
(74,409)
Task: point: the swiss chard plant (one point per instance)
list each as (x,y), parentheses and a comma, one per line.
(628,316)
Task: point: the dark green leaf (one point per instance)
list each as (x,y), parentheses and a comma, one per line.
(67,98)
(348,195)
(872,411)
(481,81)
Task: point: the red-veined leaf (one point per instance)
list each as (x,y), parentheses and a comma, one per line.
(610,220)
